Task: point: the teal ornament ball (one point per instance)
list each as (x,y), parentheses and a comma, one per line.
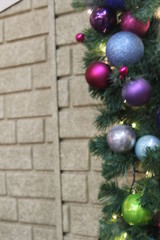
(133,213)
(145,142)
(124,48)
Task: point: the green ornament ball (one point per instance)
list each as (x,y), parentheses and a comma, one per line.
(133,213)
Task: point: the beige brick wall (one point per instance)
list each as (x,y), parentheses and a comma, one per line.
(48,180)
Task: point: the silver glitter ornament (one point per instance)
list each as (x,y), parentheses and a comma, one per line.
(124,48)
(121,138)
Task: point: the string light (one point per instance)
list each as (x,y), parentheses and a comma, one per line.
(125,101)
(125,235)
(148,174)
(134,125)
(114,216)
(89,11)
(121,122)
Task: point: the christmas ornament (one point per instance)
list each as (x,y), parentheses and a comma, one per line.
(137,92)
(132,24)
(121,138)
(97,75)
(133,213)
(123,71)
(103,19)
(158,118)
(145,142)
(124,48)
(80,37)
(116,4)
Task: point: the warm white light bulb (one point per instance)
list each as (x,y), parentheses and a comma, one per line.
(134,125)
(125,235)
(89,11)
(114,217)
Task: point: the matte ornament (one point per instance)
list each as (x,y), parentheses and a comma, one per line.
(132,24)
(124,48)
(144,142)
(123,72)
(137,92)
(80,37)
(158,118)
(116,4)
(97,75)
(133,213)
(121,138)
(103,19)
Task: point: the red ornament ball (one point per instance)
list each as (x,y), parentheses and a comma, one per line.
(97,75)
(132,24)
(80,37)
(123,71)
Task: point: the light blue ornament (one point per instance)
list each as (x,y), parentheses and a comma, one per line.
(144,142)
(124,48)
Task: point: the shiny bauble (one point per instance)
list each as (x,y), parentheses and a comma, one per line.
(124,48)
(132,24)
(116,4)
(137,92)
(80,37)
(97,75)
(103,19)
(133,213)
(121,138)
(158,118)
(145,142)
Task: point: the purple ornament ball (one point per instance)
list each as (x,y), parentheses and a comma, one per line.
(97,75)
(137,92)
(103,19)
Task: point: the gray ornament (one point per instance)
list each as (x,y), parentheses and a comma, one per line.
(121,138)
(124,48)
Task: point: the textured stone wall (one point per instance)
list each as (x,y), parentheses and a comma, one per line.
(48,181)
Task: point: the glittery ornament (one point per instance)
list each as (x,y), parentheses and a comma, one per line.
(132,24)
(133,213)
(123,71)
(80,37)
(97,75)
(121,138)
(145,142)
(124,48)
(116,4)
(103,19)
(137,92)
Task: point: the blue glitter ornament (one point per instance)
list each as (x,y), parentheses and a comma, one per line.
(116,4)
(144,142)
(124,48)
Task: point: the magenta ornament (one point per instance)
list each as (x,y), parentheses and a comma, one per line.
(103,19)
(97,75)
(137,93)
(123,72)
(132,24)
(80,37)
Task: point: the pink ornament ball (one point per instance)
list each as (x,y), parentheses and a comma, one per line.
(132,24)
(97,75)
(80,37)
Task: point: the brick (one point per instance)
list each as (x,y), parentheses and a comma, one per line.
(8,209)
(7,130)
(2,184)
(41,75)
(63,61)
(79,93)
(84,220)
(70,23)
(20,7)
(37,211)
(30,131)
(63,93)
(63,8)
(74,237)
(31,185)
(1,31)
(74,187)
(24,52)
(14,231)
(40,3)
(1,107)
(77,123)
(44,234)
(78,53)
(29,104)
(95,180)
(66,219)
(26,25)
(15,80)
(96,163)
(49,130)
(12,158)
(74,155)
(43,158)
